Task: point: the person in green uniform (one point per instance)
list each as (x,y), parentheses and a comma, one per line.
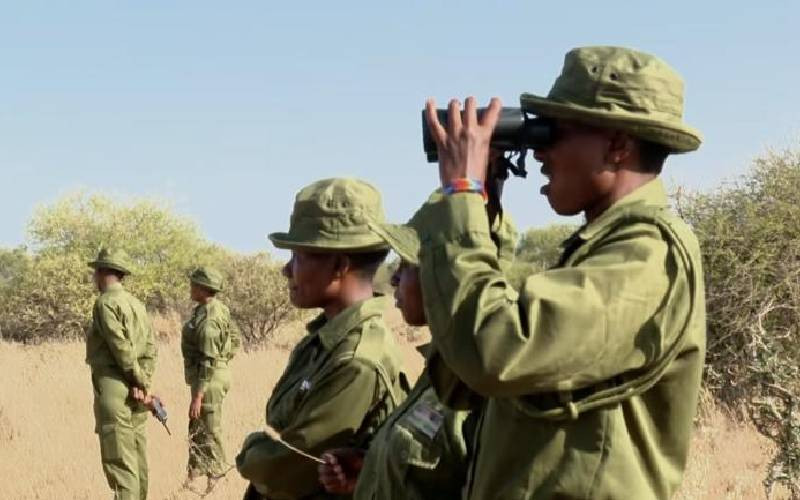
(121,351)
(209,340)
(343,378)
(591,369)
(421,451)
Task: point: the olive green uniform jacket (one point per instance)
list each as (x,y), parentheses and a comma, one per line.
(342,381)
(419,453)
(121,350)
(209,340)
(592,370)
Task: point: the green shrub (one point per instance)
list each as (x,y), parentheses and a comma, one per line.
(163,246)
(47,297)
(537,250)
(46,289)
(749,231)
(258,297)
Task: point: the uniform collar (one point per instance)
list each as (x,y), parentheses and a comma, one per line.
(331,332)
(651,194)
(208,303)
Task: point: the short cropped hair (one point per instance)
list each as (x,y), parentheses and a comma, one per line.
(652,156)
(367,263)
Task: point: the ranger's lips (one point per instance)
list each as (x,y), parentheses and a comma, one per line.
(545,189)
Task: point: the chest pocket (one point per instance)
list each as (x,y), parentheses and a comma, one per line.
(304,373)
(282,408)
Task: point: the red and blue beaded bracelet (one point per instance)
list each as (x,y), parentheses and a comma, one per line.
(465,185)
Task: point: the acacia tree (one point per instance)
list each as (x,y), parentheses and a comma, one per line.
(46,288)
(258,298)
(749,232)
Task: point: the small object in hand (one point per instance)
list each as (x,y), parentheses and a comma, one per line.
(159,412)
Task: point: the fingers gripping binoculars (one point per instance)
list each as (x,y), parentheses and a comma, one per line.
(516,132)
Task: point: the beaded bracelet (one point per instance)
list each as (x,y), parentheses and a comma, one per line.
(465,185)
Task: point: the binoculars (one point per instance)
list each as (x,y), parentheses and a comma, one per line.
(516,131)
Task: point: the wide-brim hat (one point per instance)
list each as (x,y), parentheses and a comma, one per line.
(619,88)
(333,215)
(207,277)
(116,260)
(402,238)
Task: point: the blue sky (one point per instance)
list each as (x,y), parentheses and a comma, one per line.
(228,108)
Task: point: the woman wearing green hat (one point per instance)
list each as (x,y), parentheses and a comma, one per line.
(209,340)
(421,451)
(343,378)
(592,370)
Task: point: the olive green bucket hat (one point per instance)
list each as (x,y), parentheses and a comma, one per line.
(333,215)
(207,277)
(404,239)
(114,259)
(619,88)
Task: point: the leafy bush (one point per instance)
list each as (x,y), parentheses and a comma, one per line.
(258,298)
(537,250)
(542,246)
(46,291)
(163,246)
(750,236)
(46,298)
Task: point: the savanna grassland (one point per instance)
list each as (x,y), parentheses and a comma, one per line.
(49,449)
(747,441)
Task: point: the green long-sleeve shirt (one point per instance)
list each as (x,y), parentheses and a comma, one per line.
(208,341)
(419,453)
(121,339)
(342,381)
(619,323)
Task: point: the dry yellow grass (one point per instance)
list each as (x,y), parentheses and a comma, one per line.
(48,448)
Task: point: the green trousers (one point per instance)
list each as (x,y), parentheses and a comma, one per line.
(120,425)
(206,451)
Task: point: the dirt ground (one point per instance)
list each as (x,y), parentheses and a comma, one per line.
(48,448)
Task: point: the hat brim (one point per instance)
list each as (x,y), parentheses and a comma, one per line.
(679,138)
(96,264)
(403,239)
(286,241)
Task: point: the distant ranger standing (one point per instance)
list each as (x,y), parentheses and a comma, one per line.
(121,350)
(209,341)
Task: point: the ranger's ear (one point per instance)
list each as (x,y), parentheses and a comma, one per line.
(341,265)
(620,148)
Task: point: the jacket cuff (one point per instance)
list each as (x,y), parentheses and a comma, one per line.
(459,217)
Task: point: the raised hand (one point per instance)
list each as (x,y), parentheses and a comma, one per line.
(463,144)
